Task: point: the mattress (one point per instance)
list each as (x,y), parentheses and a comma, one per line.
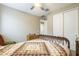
(36,47)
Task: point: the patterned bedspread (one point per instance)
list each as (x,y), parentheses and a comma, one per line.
(34,48)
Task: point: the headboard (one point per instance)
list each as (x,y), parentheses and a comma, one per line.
(56,39)
(52,39)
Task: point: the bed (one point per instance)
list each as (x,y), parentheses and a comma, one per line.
(37,47)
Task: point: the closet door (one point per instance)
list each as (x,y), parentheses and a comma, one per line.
(58,24)
(71,27)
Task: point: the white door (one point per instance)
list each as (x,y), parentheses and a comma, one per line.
(71,27)
(58,24)
(43,27)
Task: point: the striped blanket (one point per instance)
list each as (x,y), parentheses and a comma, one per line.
(34,48)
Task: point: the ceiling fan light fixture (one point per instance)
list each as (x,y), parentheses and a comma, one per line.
(40,6)
(37,5)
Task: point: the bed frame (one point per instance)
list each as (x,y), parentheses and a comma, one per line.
(55,39)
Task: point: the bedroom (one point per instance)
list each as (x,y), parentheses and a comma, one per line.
(57,20)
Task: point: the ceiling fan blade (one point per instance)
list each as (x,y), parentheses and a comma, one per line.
(32,7)
(46,9)
(42,8)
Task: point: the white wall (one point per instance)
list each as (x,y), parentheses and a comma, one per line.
(16,25)
(50,24)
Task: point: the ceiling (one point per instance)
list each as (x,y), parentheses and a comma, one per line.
(25,7)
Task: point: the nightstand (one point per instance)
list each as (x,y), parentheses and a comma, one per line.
(77,48)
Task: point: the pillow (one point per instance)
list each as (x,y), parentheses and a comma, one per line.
(32,36)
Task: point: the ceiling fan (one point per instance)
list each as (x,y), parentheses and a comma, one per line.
(39,5)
